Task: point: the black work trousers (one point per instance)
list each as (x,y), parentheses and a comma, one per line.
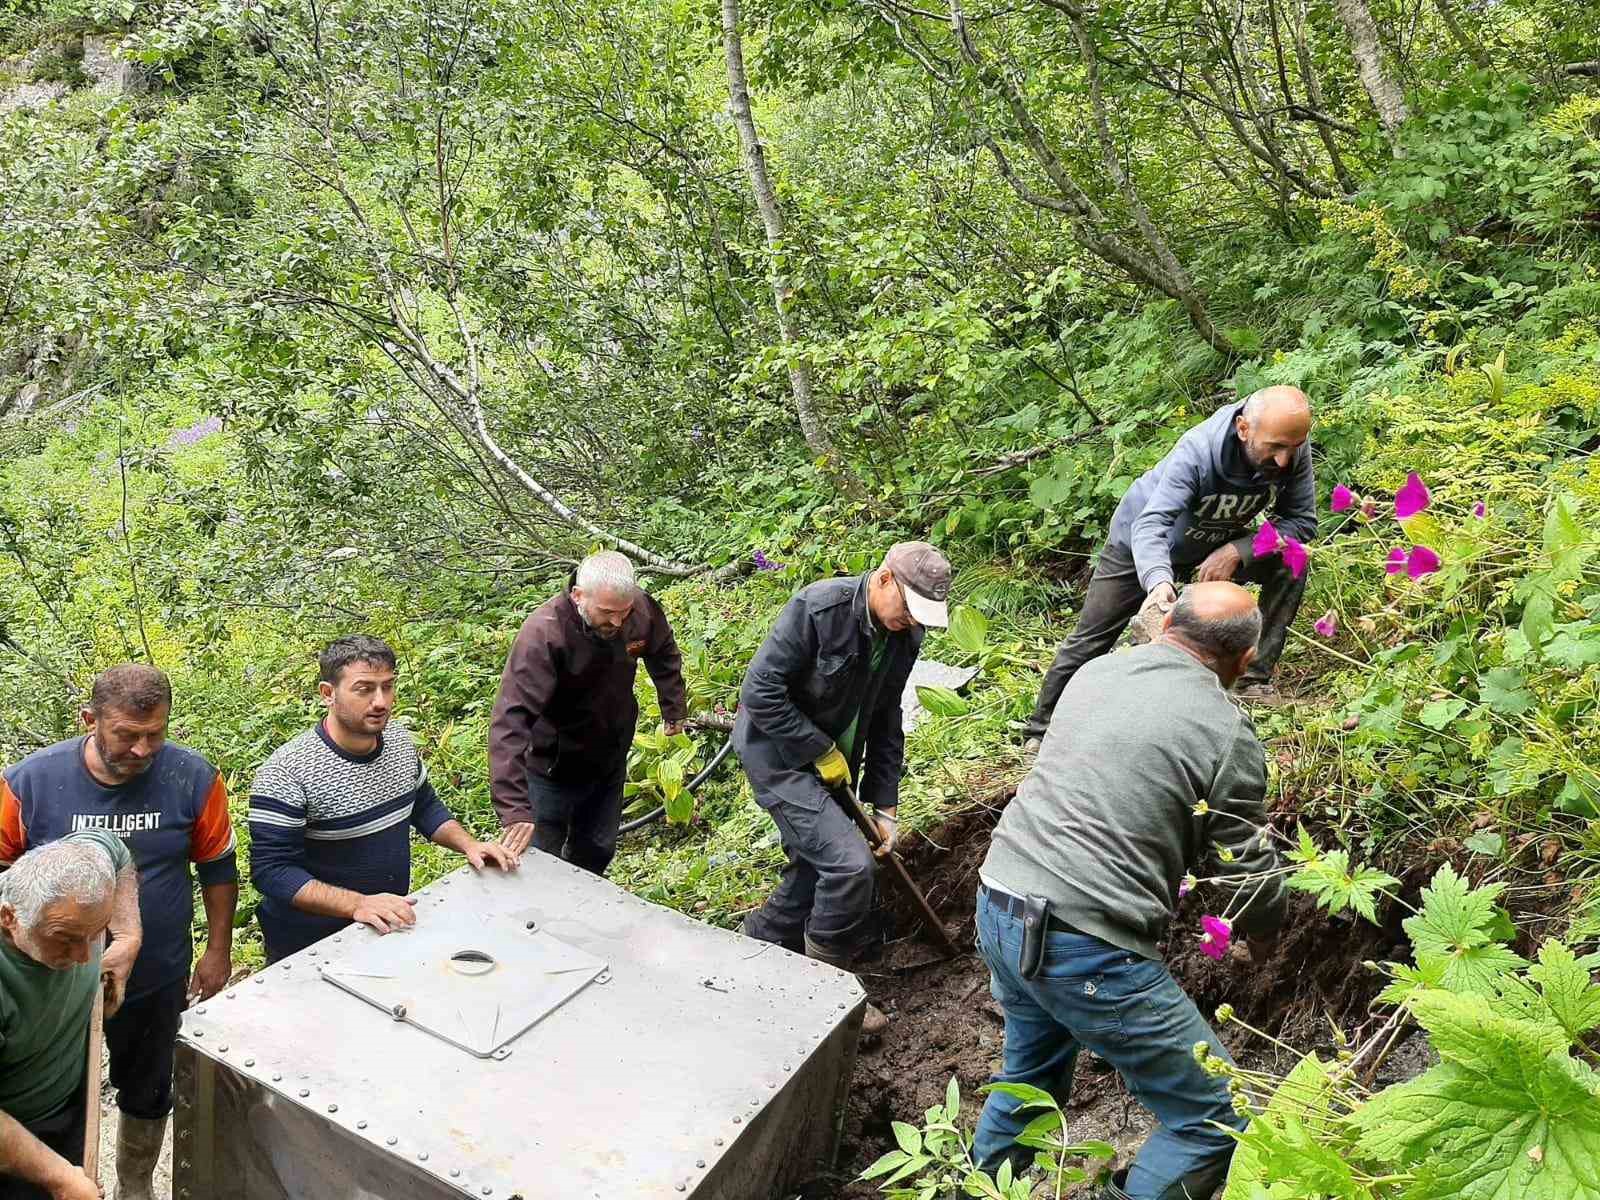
(140,1039)
(1115,597)
(63,1133)
(578,821)
(826,889)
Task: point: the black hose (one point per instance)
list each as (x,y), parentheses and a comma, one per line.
(705,773)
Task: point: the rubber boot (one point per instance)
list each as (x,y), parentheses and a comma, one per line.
(1199,1185)
(138,1147)
(874,1022)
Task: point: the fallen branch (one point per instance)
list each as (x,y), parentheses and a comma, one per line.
(1589,67)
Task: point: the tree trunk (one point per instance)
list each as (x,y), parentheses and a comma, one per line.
(816,433)
(1385,91)
(1459,35)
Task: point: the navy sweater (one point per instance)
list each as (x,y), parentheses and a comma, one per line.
(319,812)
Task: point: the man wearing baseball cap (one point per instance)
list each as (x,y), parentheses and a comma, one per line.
(820,708)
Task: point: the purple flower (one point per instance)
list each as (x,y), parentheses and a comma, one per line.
(1480,510)
(1214,941)
(1396,562)
(1411,499)
(763,563)
(1422,561)
(1267,540)
(1295,557)
(195,432)
(1343,498)
(1327,625)
(1185,886)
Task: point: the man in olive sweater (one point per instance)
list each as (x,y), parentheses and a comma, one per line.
(1148,771)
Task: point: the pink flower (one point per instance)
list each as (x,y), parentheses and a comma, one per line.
(1369,509)
(1267,540)
(1480,510)
(1295,557)
(1214,941)
(1423,561)
(1416,562)
(1342,499)
(1411,499)
(1327,625)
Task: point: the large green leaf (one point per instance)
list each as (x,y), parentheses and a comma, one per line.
(941,701)
(969,628)
(1455,931)
(1280,1140)
(1508,1115)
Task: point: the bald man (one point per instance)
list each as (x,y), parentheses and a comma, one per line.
(1081,882)
(1194,515)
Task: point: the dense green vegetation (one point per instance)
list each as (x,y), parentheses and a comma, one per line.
(377,316)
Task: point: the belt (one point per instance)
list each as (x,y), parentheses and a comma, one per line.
(1015,905)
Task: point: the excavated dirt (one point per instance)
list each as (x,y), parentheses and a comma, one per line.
(944,1022)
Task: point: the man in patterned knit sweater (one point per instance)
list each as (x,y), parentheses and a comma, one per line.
(330,811)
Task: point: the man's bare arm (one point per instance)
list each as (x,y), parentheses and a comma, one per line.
(24,1156)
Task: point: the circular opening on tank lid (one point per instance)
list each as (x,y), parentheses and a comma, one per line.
(472,962)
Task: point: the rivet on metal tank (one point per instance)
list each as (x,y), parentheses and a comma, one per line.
(422,1156)
(277,1078)
(222,1049)
(390,1140)
(304,1092)
(249,1062)
(361,1124)
(333,1108)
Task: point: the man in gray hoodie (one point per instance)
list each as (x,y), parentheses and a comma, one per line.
(1194,515)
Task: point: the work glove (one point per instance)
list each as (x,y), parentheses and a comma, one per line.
(888,830)
(832,769)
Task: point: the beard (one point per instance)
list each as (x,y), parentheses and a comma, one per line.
(124,766)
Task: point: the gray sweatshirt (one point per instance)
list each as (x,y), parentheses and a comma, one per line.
(1204,493)
(1104,826)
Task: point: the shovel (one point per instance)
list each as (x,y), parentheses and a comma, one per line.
(897,869)
(93,1070)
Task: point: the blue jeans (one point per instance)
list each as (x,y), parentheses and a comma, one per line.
(1132,1013)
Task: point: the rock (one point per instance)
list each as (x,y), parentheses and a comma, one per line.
(31,95)
(106,71)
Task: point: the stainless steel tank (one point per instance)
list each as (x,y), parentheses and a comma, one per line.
(539,1034)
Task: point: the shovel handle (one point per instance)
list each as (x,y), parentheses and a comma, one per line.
(92,1073)
(897,871)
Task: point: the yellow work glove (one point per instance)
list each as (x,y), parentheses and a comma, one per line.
(833,769)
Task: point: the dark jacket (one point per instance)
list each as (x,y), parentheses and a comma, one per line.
(566,709)
(810,678)
(1206,492)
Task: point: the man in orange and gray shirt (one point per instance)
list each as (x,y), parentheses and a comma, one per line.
(169,806)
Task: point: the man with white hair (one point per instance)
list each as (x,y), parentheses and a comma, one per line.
(55,903)
(1194,515)
(565,715)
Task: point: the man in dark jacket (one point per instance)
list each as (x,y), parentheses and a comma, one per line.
(1149,771)
(1195,514)
(820,706)
(565,715)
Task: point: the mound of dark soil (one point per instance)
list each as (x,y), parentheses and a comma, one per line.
(945,1023)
